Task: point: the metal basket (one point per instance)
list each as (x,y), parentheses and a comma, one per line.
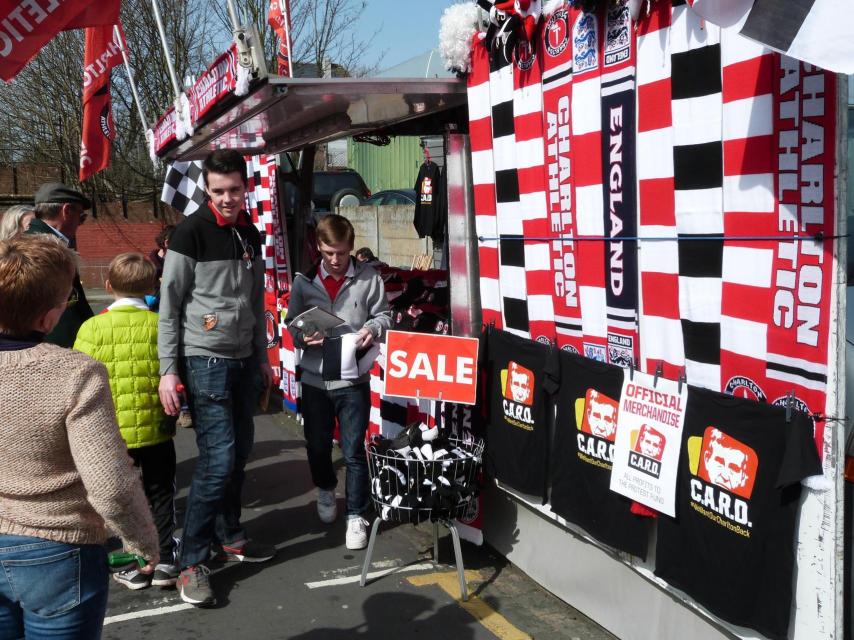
(392,475)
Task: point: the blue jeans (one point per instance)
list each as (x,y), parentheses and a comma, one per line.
(51,589)
(222,394)
(351,405)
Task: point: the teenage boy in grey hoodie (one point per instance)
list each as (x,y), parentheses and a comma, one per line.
(354,292)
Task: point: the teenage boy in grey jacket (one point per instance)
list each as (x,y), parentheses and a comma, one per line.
(354,292)
(212,336)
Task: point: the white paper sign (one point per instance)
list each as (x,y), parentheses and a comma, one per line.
(649,439)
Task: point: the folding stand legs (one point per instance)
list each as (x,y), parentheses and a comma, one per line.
(370,550)
(458,554)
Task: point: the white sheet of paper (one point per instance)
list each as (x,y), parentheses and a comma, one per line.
(649,440)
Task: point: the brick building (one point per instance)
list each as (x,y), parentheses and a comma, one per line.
(112,227)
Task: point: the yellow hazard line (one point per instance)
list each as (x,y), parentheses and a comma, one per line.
(493,621)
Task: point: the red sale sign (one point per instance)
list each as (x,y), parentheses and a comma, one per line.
(435,367)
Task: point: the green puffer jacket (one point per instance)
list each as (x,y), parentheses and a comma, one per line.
(125,340)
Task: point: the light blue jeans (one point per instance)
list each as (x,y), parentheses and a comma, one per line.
(51,590)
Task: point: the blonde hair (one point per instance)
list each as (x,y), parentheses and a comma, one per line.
(36,273)
(132,274)
(335,229)
(10,224)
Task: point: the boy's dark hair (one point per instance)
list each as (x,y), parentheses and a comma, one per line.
(224,161)
(162,239)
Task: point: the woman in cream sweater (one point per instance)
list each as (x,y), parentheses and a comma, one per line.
(66,481)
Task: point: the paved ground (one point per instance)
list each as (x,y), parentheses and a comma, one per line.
(310,591)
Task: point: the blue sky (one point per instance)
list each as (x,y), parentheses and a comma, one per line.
(408,27)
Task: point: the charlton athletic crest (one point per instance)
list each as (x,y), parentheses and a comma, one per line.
(525,56)
(744,387)
(557,33)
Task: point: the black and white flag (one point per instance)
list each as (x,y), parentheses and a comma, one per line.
(815,31)
(184,187)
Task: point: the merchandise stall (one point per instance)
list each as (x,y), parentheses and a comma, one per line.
(655,200)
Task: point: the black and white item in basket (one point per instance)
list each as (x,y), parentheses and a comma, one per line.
(184,187)
(423,475)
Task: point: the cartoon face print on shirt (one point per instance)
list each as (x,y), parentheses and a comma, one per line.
(600,415)
(519,386)
(728,463)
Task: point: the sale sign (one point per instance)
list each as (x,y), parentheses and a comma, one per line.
(436,367)
(650,418)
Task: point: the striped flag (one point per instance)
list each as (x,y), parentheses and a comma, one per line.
(815,31)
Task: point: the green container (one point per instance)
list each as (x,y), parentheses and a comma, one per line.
(119,561)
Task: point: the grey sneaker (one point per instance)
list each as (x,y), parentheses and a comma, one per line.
(195,587)
(357,533)
(132,579)
(327,505)
(165,575)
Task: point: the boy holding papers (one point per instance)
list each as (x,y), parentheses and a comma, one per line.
(334,365)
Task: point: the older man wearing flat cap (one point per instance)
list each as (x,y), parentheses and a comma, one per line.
(59,211)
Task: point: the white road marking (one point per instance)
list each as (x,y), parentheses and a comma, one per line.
(147,613)
(343,571)
(371,575)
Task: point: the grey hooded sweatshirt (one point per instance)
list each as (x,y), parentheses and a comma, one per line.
(361,302)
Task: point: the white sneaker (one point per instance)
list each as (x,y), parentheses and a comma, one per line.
(357,532)
(327,505)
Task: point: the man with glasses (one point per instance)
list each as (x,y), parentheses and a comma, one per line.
(60,210)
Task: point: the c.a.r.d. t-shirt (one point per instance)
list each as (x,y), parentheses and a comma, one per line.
(520,375)
(731,546)
(586,426)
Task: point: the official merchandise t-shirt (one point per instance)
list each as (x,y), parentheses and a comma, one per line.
(585,429)
(731,546)
(521,375)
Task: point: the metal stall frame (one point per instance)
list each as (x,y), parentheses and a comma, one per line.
(284,114)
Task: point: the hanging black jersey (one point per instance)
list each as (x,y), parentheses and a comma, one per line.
(731,546)
(586,426)
(521,375)
(429,202)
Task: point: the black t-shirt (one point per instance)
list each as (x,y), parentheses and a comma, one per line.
(430,210)
(731,546)
(520,374)
(586,426)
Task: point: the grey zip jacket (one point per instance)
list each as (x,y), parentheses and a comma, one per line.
(361,303)
(212,292)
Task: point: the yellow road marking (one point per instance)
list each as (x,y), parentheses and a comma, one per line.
(493,621)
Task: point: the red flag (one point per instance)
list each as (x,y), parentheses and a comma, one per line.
(28,25)
(103,52)
(280,20)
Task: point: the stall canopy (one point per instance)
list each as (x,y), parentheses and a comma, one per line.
(284,114)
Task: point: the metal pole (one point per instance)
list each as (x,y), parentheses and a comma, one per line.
(132,82)
(162,31)
(288,40)
(232,15)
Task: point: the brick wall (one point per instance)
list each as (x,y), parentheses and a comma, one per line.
(101,239)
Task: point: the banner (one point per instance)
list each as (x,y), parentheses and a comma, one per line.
(28,25)
(103,52)
(166,130)
(216,82)
(649,440)
(280,20)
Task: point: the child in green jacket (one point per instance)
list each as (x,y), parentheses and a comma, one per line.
(124,338)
